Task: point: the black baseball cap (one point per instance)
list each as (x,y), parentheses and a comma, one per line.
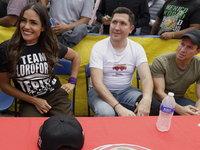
(61,132)
(194,35)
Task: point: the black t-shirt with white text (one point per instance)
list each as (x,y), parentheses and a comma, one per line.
(32,70)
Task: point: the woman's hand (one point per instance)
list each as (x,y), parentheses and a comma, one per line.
(42,105)
(68,87)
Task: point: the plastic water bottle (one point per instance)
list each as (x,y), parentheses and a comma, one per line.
(166,112)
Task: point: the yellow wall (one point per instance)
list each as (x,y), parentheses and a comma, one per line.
(152,45)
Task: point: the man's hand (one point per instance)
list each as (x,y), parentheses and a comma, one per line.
(198,112)
(143,108)
(42,105)
(166,35)
(106,20)
(59,28)
(122,111)
(188,110)
(68,87)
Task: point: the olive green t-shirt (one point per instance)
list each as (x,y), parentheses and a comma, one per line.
(177,80)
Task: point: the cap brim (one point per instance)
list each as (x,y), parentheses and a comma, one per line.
(192,37)
(40,130)
(39,140)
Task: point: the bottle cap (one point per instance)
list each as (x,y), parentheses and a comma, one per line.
(171,94)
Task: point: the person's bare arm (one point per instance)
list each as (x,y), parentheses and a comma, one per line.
(155,27)
(159,87)
(143,109)
(44,2)
(8,21)
(60,27)
(106,20)
(75,58)
(104,93)
(198,96)
(178,34)
(41,105)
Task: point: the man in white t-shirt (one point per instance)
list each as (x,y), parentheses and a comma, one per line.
(112,63)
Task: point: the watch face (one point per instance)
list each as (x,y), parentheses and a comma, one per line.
(169,23)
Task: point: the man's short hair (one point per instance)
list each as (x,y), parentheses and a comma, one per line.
(124,10)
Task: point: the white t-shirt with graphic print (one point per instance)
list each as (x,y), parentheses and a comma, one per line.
(118,67)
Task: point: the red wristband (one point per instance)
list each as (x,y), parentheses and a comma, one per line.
(116,105)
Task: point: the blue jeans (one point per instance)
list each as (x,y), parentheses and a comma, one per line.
(181,101)
(185,101)
(126,98)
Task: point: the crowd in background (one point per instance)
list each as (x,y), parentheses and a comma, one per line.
(76,18)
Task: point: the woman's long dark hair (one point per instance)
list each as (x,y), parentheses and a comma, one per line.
(48,43)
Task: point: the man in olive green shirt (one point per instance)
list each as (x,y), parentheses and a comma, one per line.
(175,72)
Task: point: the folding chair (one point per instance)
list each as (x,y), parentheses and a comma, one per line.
(138,77)
(87,75)
(6,101)
(16,102)
(65,69)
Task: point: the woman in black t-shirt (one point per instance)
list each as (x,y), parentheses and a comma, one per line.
(29,58)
